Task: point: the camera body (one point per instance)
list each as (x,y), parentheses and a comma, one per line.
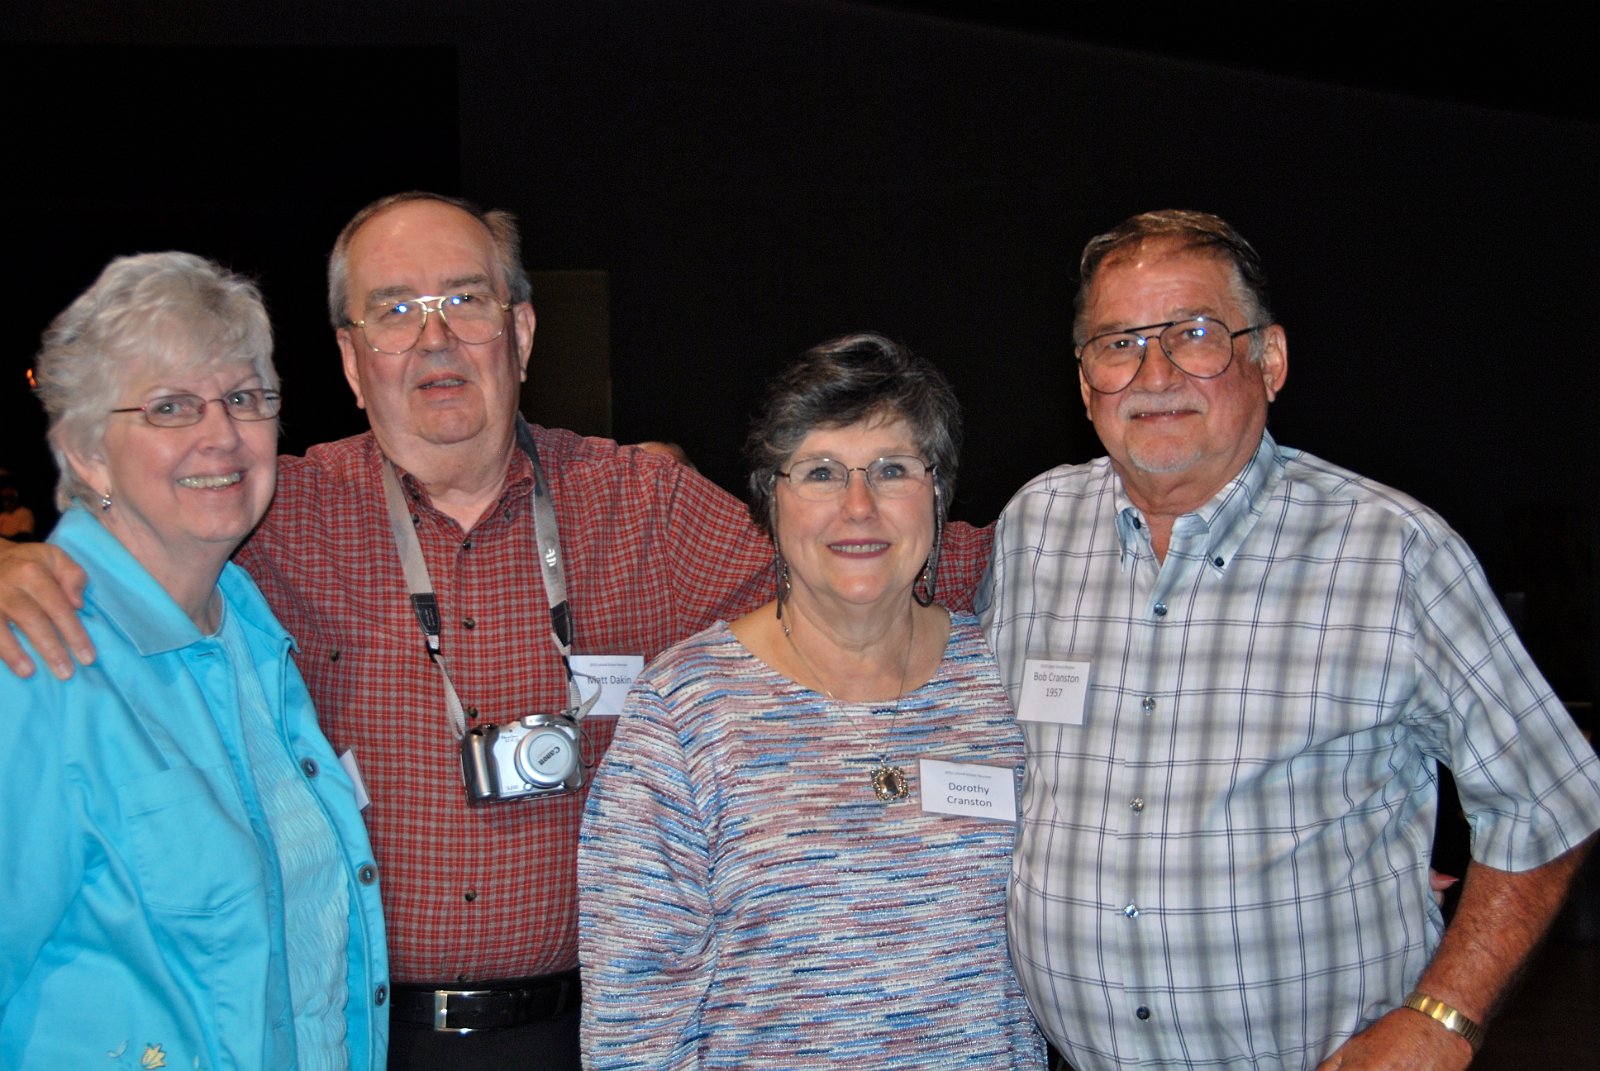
(540,755)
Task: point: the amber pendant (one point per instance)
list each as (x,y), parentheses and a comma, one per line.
(889,783)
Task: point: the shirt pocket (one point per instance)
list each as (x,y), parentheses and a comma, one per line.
(193,853)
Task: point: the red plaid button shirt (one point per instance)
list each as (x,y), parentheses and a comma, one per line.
(653,553)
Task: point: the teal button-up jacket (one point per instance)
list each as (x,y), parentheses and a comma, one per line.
(141,909)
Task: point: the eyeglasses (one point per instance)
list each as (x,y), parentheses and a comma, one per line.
(395,326)
(182,410)
(1200,347)
(821,478)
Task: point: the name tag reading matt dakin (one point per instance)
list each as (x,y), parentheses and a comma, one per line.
(968,789)
(1054,690)
(614,673)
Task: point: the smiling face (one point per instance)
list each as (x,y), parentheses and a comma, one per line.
(183,498)
(1176,440)
(442,392)
(857,550)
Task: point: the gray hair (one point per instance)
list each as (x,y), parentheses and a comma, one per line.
(1199,232)
(847,381)
(503,233)
(160,313)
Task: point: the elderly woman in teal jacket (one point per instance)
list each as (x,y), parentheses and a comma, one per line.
(185,874)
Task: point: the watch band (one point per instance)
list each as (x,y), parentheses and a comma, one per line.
(1447,1017)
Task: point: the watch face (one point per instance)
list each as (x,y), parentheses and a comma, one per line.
(546,757)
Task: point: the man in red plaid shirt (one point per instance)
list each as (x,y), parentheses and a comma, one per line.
(480,899)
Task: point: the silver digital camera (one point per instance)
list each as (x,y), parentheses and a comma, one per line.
(539,755)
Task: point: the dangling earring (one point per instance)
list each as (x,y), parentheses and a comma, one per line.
(784,586)
(930,569)
(105,501)
(779,567)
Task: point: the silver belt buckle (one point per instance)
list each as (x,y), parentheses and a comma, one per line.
(441,1009)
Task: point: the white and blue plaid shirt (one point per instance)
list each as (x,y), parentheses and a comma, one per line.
(1226,864)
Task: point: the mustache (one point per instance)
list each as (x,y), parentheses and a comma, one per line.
(1134,403)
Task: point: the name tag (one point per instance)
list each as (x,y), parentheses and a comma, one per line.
(612,674)
(1054,690)
(965,788)
(347,759)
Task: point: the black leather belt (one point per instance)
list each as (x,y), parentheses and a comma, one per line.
(486,1005)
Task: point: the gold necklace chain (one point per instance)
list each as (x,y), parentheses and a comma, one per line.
(889,783)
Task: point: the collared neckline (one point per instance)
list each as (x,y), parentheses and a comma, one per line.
(519,482)
(129,598)
(1216,530)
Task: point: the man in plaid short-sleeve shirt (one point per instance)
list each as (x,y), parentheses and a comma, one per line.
(1237,668)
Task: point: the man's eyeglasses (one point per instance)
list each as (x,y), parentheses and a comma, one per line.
(182,410)
(1200,347)
(819,478)
(395,326)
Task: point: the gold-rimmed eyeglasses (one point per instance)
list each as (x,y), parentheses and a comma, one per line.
(182,410)
(1200,346)
(394,327)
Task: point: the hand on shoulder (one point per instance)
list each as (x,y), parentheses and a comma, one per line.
(41,591)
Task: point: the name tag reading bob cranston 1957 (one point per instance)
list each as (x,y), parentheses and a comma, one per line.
(965,788)
(1054,690)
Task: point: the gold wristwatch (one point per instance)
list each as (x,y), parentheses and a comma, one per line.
(1447,1017)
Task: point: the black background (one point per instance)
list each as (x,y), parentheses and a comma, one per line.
(758,175)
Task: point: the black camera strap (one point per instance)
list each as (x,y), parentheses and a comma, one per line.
(426,605)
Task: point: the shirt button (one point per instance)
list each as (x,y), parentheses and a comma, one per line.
(367,874)
(380,995)
(309,766)
(1161,609)
(466,544)
(1217,561)
(468,622)
(472,712)
(1148,704)
(1137,806)
(470,896)
(333,656)
(1131,911)
(1142,1012)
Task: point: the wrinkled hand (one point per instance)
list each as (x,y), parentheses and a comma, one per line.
(1403,1040)
(41,590)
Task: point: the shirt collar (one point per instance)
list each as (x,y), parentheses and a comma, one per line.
(1217,529)
(519,479)
(129,598)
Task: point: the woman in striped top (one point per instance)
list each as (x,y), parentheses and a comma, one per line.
(796,850)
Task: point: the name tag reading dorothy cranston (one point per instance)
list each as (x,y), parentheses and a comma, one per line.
(614,674)
(968,789)
(1054,690)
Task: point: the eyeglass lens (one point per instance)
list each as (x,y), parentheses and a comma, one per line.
(181,410)
(1201,347)
(395,327)
(823,477)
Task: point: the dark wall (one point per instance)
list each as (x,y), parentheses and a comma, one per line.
(757,175)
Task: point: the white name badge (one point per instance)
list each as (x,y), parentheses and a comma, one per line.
(347,759)
(968,789)
(1054,690)
(612,673)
